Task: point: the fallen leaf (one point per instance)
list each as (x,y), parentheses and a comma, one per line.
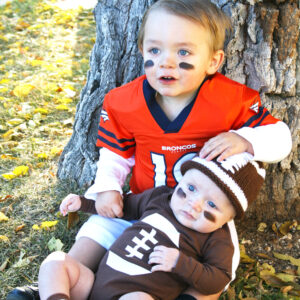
(19,228)
(48,224)
(42,111)
(73,219)
(294,261)
(261,227)
(4,238)
(55,244)
(4,265)
(2,199)
(62,107)
(23,90)
(3,217)
(21,170)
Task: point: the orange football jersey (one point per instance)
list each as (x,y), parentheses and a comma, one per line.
(132,123)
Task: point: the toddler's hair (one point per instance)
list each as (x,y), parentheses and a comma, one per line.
(207,14)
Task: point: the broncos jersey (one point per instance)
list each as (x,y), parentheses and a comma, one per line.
(133,124)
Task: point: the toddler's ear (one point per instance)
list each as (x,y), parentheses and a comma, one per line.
(216,61)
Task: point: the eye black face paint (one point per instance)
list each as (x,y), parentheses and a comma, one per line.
(186,66)
(180,193)
(209,216)
(149,63)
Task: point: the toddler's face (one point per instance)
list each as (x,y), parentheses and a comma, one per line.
(176,54)
(198,203)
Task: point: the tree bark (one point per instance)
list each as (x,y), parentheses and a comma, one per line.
(261,54)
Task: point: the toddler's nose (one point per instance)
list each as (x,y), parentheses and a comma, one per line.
(167,61)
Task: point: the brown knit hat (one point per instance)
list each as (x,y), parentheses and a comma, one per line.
(238,176)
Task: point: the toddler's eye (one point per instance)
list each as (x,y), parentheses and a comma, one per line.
(183,52)
(191,188)
(211,204)
(154,51)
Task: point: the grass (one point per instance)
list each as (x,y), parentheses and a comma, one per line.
(44,58)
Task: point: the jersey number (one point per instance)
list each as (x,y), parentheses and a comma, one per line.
(160,167)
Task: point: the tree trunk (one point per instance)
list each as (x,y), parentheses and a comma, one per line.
(261,54)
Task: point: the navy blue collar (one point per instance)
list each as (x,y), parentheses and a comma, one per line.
(159,115)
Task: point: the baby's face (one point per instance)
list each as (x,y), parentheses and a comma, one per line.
(176,53)
(198,203)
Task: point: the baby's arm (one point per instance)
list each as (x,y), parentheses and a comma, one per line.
(268,143)
(164,258)
(71,203)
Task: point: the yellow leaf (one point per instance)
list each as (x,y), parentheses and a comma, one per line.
(8,176)
(294,261)
(36,227)
(55,151)
(3,38)
(261,227)
(3,217)
(64,100)
(4,238)
(42,155)
(42,111)
(3,90)
(21,170)
(35,62)
(62,107)
(23,90)
(48,224)
(286,277)
(4,80)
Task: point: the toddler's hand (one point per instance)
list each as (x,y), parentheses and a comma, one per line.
(110,204)
(71,203)
(164,258)
(224,145)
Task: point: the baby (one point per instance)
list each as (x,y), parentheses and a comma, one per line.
(182,237)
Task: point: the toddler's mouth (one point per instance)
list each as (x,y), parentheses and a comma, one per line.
(167,78)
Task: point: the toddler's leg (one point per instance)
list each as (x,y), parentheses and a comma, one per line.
(136,295)
(88,252)
(61,274)
(95,236)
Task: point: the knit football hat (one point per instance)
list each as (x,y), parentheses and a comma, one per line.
(238,176)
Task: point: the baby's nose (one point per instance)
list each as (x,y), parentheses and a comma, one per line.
(197,204)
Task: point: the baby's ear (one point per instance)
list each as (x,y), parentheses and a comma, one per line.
(216,62)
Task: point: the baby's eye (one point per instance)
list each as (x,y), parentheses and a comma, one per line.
(211,204)
(154,50)
(191,188)
(183,52)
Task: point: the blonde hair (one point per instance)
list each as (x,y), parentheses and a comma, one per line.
(208,15)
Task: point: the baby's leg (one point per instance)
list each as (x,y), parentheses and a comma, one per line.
(136,295)
(61,274)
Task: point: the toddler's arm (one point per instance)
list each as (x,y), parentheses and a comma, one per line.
(71,203)
(112,170)
(268,143)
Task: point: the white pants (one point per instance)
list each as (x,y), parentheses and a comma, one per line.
(103,230)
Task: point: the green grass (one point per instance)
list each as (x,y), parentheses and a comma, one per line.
(47,49)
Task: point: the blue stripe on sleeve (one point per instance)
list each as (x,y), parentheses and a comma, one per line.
(261,115)
(113,145)
(110,134)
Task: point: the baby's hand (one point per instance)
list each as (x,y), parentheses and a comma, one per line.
(71,203)
(224,145)
(109,204)
(164,258)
